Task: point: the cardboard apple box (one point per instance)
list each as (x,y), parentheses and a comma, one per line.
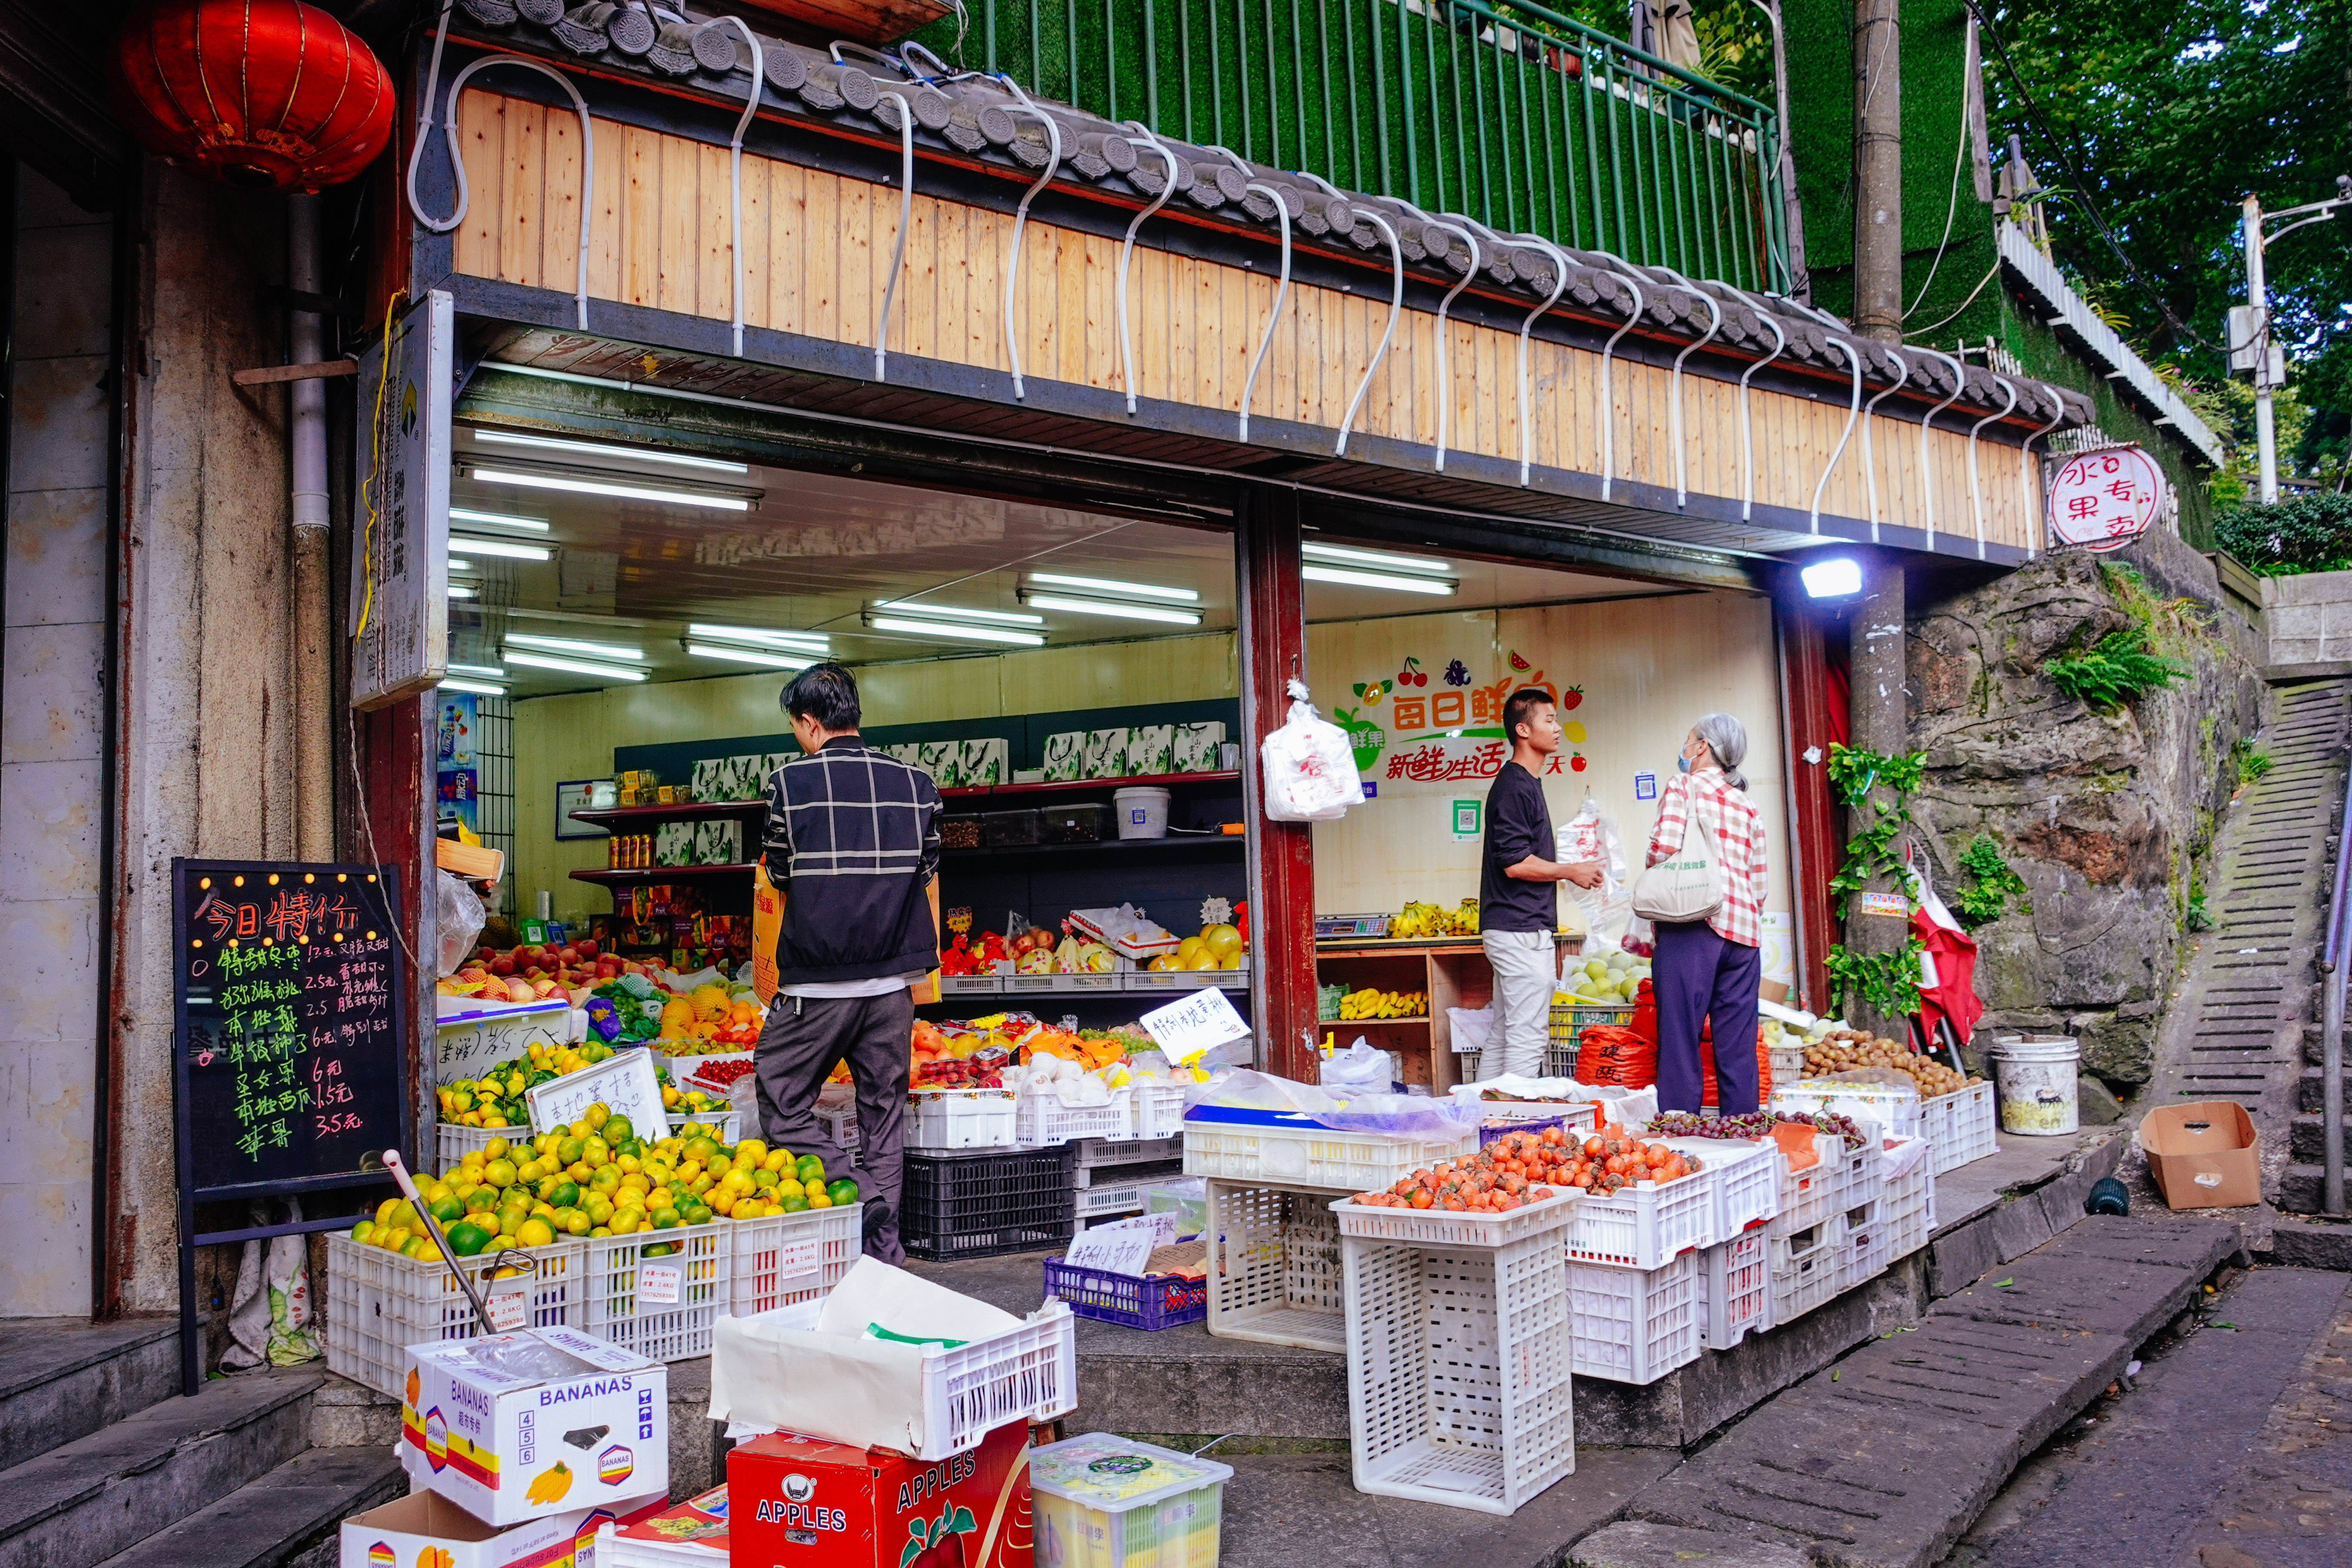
(425,1529)
(541,1422)
(800,1502)
(2204,1155)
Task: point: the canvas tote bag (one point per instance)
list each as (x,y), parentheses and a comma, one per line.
(1686,885)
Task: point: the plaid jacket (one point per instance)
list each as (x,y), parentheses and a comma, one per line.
(853,838)
(1739,833)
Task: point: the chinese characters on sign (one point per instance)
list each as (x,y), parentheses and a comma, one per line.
(2104,500)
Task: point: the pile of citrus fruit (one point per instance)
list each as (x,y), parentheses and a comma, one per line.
(598,1178)
(495,1098)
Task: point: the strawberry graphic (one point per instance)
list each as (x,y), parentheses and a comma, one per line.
(1571,698)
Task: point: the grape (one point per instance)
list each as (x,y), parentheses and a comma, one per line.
(1755,1124)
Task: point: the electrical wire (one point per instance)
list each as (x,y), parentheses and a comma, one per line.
(1127,251)
(1964,304)
(1869,460)
(1926,466)
(1021,219)
(735,167)
(1853,413)
(905,218)
(1951,211)
(1396,308)
(1747,429)
(1976,491)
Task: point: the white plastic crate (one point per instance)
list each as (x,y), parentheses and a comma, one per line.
(1806,1268)
(1455,1227)
(1041,1121)
(781,1258)
(1745,1175)
(1095,1152)
(664,1308)
(1646,1225)
(724,1126)
(451,1141)
(1157,1109)
(1316,1157)
(1111,1199)
(1035,984)
(1578,1118)
(943,1118)
(1960,1127)
(378,1302)
(1837,1178)
(1894,1108)
(1892,1226)
(1735,1289)
(1458,1369)
(1634,1325)
(841,1125)
(1274,1266)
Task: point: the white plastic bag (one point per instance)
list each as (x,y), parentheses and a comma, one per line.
(460,917)
(1359,1069)
(1590,837)
(1472,1027)
(1310,769)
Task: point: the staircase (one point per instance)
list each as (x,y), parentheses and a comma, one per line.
(103,1464)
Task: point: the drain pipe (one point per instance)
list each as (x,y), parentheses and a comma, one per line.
(314,766)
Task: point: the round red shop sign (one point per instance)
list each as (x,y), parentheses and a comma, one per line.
(2102,499)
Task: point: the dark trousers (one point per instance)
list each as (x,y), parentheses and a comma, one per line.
(804,1037)
(1698,975)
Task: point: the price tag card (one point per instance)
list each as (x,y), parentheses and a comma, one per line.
(1187,1030)
(1123,1247)
(659,1283)
(795,1259)
(507,1309)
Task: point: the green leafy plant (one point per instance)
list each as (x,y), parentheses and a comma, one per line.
(1888,983)
(1884,783)
(2310,533)
(2111,671)
(2250,760)
(2196,916)
(1984,897)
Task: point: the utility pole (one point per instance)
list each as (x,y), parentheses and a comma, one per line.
(1878,170)
(2249,327)
(1877,720)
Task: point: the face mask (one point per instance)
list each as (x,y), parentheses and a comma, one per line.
(1682,764)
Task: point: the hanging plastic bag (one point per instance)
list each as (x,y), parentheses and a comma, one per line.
(460,916)
(1359,1069)
(1310,769)
(1589,838)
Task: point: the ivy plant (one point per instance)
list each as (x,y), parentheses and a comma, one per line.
(1888,983)
(2250,760)
(1876,789)
(1984,897)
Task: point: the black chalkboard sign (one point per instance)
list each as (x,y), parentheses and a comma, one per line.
(292,1042)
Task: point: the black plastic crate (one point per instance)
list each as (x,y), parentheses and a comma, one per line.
(982,1206)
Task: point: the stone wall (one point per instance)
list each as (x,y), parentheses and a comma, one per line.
(2106,818)
(2309,619)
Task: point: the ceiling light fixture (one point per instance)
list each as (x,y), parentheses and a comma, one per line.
(750,656)
(950,629)
(1314,551)
(573,645)
(1106,585)
(953,612)
(573,666)
(480,687)
(461,545)
(643,454)
(1436,585)
(1832,579)
(492,671)
(496,520)
(1106,607)
(621,492)
(459,591)
(802,642)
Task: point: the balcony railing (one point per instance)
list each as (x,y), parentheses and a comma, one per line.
(1515,115)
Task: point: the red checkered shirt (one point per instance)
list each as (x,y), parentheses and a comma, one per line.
(1739,833)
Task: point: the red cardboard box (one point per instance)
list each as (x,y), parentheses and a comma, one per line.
(796,1502)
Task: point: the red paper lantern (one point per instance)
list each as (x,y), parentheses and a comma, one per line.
(271,94)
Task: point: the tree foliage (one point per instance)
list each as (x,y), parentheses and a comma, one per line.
(2301,533)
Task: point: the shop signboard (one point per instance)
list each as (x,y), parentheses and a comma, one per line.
(2103,500)
(400,509)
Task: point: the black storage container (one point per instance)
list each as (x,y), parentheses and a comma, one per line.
(960,832)
(1084,822)
(984,1206)
(1002,828)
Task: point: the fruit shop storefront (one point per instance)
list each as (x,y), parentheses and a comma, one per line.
(1076,441)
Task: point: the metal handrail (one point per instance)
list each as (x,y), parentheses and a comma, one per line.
(2333,964)
(1519,117)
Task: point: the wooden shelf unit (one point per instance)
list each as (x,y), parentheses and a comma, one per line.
(1453,971)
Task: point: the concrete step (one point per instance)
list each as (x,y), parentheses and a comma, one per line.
(2300,1188)
(86,1500)
(2306,1137)
(286,1518)
(2312,1242)
(63,1378)
(2311,1090)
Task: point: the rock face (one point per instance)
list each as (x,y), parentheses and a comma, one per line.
(2105,815)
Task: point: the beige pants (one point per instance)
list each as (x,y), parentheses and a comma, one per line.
(1526,971)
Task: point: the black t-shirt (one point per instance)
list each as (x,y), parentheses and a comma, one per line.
(1519,824)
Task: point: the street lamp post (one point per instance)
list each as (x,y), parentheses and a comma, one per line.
(2250,333)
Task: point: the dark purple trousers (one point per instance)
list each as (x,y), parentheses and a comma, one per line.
(1698,975)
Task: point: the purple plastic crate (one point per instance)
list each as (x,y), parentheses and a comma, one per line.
(1490,1131)
(1159,1302)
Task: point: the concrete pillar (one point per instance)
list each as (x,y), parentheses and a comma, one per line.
(1878,720)
(1877,171)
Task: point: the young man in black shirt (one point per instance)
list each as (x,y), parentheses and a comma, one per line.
(1519,898)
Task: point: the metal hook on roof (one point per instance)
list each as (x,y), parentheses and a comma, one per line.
(735,165)
(1396,308)
(906,217)
(1560,286)
(1021,220)
(1144,138)
(1281,292)
(1675,408)
(1926,467)
(1976,493)
(1869,460)
(1608,349)
(1445,383)
(1746,428)
(1853,413)
(2025,477)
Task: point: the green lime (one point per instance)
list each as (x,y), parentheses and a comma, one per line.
(842,1192)
(467,1238)
(565,1195)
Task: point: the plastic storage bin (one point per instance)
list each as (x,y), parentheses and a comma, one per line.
(1458,1361)
(1745,1176)
(1108,1200)
(662,1308)
(781,1258)
(1634,1325)
(1042,1119)
(1840,1178)
(1735,1289)
(1105,1501)
(1309,1156)
(1156,1109)
(379,1303)
(942,1119)
(1646,1225)
(984,1205)
(1274,1266)
(1806,1268)
(1186,1197)
(1959,1127)
(1002,829)
(1895,1109)
(1149,1304)
(1579,1117)
(1080,822)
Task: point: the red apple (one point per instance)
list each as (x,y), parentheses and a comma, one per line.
(1576,763)
(568,955)
(502,966)
(587,946)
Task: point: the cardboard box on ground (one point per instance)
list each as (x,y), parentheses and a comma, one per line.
(2204,1155)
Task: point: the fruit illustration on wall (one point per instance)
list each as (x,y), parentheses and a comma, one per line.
(1456,673)
(1365,738)
(1573,732)
(1575,764)
(1573,697)
(1519,666)
(1410,675)
(1371,693)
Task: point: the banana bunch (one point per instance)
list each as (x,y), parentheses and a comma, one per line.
(1420,919)
(1374,1003)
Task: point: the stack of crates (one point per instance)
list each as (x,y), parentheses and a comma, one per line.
(986,1204)
(1113,1174)
(1811,1239)
(1895,1223)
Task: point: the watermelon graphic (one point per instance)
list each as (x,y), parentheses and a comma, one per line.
(1520,666)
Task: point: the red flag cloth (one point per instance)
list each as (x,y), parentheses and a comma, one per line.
(1954,995)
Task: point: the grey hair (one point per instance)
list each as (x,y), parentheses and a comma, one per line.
(1726,737)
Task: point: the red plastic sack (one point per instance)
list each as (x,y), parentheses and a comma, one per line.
(1708,1095)
(1609,1053)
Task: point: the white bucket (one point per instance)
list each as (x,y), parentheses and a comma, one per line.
(2036,1076)
(1142,811)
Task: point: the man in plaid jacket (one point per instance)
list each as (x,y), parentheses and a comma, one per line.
(853,843)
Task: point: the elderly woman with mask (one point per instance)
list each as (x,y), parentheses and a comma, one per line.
(1709,969)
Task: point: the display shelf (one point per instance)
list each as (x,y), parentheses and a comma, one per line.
(627,815)
(1064,786)
(610,877)
(1220,843)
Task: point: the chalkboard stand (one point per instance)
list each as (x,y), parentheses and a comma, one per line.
(374,896)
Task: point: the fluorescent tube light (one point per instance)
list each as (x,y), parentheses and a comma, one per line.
(490,671)
(461,545)
(496,520)
(950,629)
(1314,573)
(1105,585)
(1105,607)
(1833,578)
(643,454)
(803,642)
(575,666)
(459,591)
(573,645)
(480,687)
(955,612)
(1371,558)
(751,656)
(623,493)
